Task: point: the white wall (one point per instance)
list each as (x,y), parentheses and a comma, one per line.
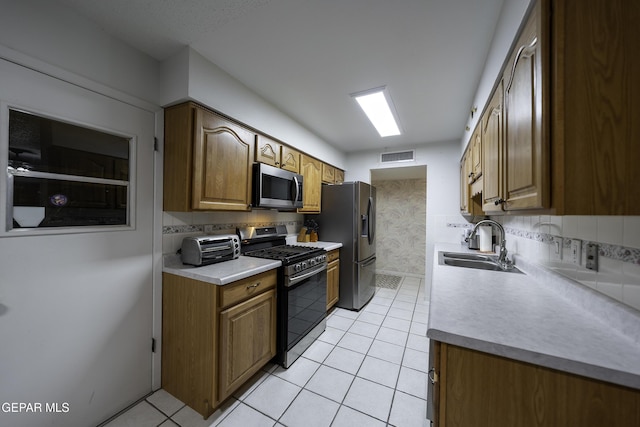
(511,15)
(60,37)
(209,85)
(442,162)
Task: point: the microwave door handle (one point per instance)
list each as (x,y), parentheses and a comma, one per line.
(295,182)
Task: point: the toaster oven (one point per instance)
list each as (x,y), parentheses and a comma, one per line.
(205,250)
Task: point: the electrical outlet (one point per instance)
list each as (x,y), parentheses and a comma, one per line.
(592,256)
(555,253)
(576,251)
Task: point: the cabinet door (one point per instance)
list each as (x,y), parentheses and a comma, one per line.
(492,140)
(223,154)
(328,174)
(247,340)
(333,280)
(312,186)
(484,390)
(526,152)
(476,154)
(339,176)
(464,185)
(267,151)
(290,159)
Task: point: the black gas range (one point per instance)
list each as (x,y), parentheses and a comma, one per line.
(302,288)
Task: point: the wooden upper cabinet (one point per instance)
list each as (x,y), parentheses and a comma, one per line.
(339,176)
(328,174)
(476,154)
(267,151)
(207,161)
(492,140)
(596,105)
(290,159)
(464,184)
(222,159)
(276,154)
(526,147)
(311,170)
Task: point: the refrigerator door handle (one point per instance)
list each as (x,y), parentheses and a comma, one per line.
(371,221)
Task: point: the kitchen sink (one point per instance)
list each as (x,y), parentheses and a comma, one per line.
(474,257)
(477,261)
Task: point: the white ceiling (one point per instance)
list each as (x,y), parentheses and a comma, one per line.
(306,56)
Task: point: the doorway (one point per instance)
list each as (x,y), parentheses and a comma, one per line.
(401,219)
(76,304)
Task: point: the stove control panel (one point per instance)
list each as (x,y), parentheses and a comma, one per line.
(308,263)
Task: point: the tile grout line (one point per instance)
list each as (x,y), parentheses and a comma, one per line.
(271,371)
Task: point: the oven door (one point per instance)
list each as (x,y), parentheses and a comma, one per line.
(303,311)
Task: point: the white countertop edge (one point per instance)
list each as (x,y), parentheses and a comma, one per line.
(327,246)
(604,311)
(221,273)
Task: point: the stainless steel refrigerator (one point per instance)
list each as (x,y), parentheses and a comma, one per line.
(349,217)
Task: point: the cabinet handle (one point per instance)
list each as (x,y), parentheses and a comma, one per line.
(433,376)
(470,175)
(255,285)
(499,202)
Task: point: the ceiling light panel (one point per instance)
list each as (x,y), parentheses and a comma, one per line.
(377,106)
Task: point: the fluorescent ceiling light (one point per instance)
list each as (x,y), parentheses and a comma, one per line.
(376,106)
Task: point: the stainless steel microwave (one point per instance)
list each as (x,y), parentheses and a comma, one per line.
(275,188)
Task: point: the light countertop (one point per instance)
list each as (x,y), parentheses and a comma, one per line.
(541,318)
(221,273)
(327,246)
(226,272)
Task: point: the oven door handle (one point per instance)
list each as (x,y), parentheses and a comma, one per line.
(298,279)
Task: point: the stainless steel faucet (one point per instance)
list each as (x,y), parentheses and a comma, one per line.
(502,259)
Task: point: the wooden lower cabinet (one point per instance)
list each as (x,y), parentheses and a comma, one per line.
(247,340)
(333,278)
(214,338)
(479,389)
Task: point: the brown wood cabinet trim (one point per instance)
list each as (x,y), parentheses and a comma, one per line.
(188,349)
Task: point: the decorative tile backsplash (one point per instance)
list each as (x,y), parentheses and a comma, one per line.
(219,228)
(178,225)
(615,252)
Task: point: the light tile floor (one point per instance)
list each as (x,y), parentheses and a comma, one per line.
(369,368)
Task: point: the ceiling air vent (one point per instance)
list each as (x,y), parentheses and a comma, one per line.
(398,156)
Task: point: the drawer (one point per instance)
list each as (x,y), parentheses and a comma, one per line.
(333,255)
(241,290)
